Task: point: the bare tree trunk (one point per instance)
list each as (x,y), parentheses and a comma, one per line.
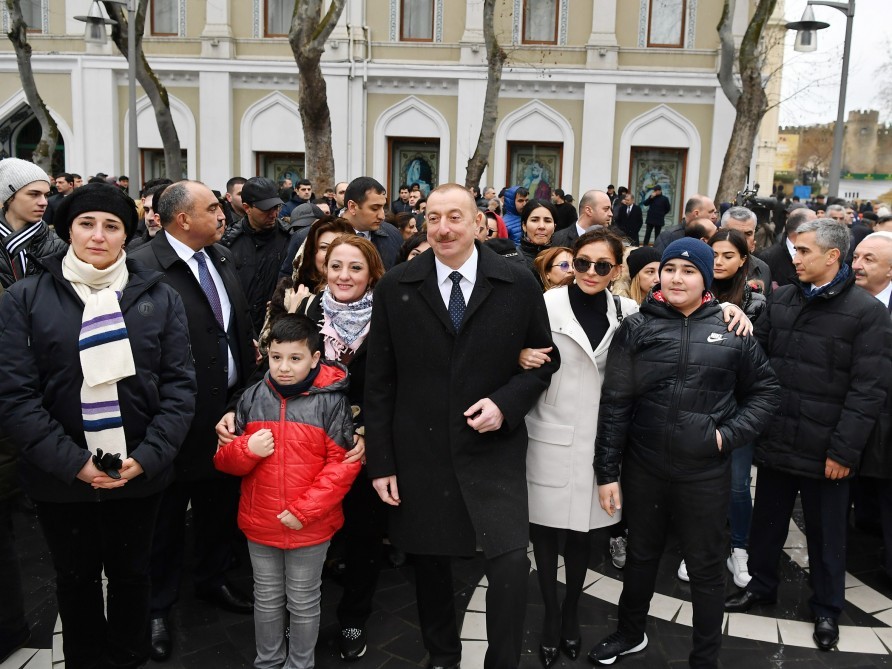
(151,84)
(748,98)
(496,57)
(49,131)
(309,31)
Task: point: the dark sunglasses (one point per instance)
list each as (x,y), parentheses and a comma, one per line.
(602,267)
(490,232)
(564,265)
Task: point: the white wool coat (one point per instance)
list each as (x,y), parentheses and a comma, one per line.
(563,424)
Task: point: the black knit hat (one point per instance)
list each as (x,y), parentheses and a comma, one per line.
(640,257)
(96,197)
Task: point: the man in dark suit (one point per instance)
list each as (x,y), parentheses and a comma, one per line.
(566,212)
(628,217)
(220,333)
(658,207)
(594,209)
(462,461)
(779,256)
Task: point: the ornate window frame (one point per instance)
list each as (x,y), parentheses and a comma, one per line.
(563,13)
(690,25)
(395,23)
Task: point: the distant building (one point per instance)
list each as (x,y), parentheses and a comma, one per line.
(866,155)
(598,92)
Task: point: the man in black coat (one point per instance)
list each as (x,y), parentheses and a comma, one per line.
(697,206)
(220,334)
(566,212)
(455,473)
(828,341)
(627,216)
(779,256)
(258,243)
(658,207)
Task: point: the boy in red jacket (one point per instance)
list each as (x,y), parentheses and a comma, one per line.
(294,429)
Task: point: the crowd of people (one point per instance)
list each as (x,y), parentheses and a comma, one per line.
(257,356)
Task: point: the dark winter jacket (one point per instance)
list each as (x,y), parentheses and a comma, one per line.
(257,257)
(529,251)
(42,245)
(671,382)
(306,473)
(831,354)
(41,378)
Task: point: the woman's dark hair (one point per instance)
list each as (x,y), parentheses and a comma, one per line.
(295,327)
(410,245)
(732,290)
(306,271)
(534,204)
(601,234)
(402,220)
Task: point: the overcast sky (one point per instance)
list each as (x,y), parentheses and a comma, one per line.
(810,88)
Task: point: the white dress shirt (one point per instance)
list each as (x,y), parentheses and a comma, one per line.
(186,254)
(468,273)
(885,294)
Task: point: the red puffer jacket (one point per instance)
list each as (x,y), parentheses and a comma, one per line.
(306,473)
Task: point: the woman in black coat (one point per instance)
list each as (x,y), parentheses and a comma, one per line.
(97,385)
(537,221)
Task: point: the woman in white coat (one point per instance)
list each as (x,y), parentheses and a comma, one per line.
(563,495)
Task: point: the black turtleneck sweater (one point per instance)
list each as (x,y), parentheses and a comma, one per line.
(591,312)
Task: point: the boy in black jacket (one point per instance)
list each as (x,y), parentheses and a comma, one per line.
(680,393)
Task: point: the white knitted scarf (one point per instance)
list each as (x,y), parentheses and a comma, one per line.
(105,352)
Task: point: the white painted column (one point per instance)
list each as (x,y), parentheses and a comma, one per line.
(216,38)
(596,168)
(215,154)
(722,123)
(99,124)
(473,44)
(337,90)
(467,127)
(602,49)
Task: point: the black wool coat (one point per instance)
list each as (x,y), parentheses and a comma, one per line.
(459,489)
(831,354)
(195,460)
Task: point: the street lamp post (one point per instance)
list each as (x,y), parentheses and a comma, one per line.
(95,34)
(808,26)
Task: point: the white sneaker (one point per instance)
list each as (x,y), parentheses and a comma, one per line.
(737,565)
(683,572)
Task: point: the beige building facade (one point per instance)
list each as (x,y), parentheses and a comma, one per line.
(595,92)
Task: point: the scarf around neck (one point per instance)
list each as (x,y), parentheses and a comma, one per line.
(348,319)
(16,244)
(105,353)
(811,293)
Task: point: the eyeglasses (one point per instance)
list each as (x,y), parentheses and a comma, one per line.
(490,232)
(564,265)
(602,267)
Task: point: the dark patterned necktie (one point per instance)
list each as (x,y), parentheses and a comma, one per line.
(209,288)
(456,301)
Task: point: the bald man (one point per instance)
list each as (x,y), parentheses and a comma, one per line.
(594,209)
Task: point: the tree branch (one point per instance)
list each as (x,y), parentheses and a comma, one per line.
(726,53)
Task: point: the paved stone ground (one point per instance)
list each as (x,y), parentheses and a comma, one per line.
(778,636)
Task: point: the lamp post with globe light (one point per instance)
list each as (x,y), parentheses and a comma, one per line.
(95,34)
(806,40)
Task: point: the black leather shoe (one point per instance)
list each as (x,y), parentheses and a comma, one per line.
(744,601)
(352,643)
(826,633)
(228,598)
(548,655)
(160,646)
(571,647)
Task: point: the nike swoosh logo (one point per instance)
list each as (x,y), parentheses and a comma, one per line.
(713,338)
